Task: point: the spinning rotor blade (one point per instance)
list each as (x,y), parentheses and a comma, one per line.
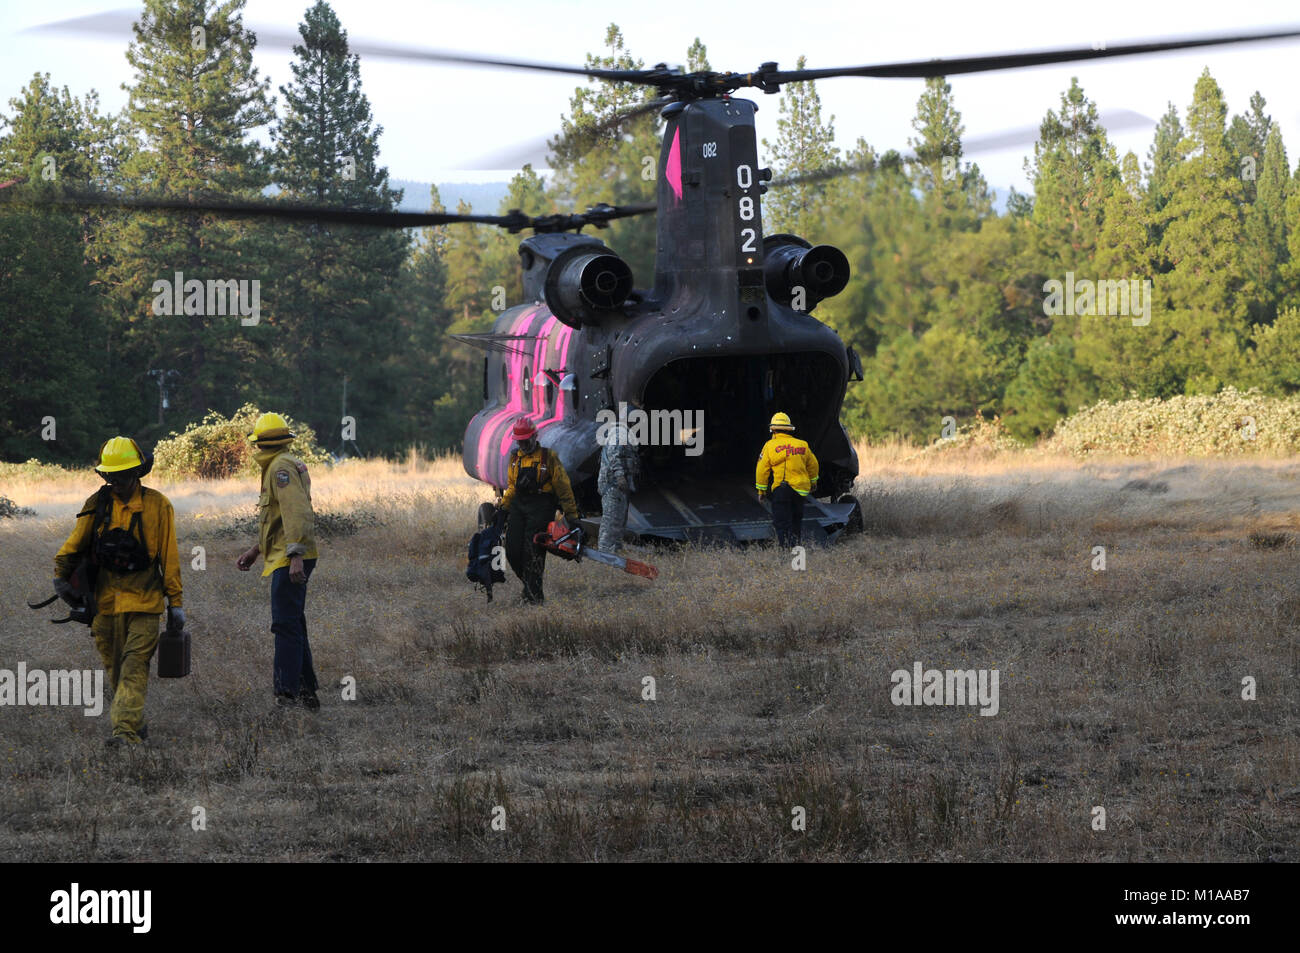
(538,152)
(767,77)
(514,221)
(119,22)
(923,69)
(1117,121)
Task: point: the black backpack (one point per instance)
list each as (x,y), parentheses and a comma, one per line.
(478,569)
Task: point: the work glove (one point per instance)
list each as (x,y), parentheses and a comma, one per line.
(175,619)
(63,589)
(499,521)
(762,494)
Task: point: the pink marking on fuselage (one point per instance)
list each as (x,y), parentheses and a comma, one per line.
(539,360)
(673,171)
(514,402)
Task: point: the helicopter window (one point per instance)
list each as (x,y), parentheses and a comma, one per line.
(505,382)
(550,396)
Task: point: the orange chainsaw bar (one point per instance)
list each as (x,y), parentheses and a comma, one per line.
(565,544)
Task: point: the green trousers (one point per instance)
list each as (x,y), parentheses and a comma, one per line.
(126,642)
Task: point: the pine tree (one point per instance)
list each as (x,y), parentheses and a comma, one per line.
(1165,154)
(335,295)
(1265,253)
(439,382)
(804,144)
(193,107)
(697,58)
(616,166)
(1202,237)
(1072,174)
(1247,137)
(955,197)
(53,363)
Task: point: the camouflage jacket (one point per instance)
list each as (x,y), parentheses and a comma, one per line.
(620,463)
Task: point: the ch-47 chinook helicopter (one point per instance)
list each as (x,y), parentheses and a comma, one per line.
(724,328)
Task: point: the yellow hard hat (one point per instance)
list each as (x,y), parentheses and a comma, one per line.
(271,428)
(118,454)
(780,422)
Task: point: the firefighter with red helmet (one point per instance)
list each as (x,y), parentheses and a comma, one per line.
(537,486)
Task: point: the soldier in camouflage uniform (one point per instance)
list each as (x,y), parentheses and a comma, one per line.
(620,466)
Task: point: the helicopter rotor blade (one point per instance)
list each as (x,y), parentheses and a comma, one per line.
(538,152)
(119,22)
(924,69)
(514,221)
(1119,120)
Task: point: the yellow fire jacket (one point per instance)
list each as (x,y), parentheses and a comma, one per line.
(287,522)
(786,459)
(556,480)
(140,591)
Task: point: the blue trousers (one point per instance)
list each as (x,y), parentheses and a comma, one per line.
(293,668)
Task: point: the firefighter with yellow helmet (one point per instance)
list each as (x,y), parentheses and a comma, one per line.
(287,544)
(787,472)
(129,533)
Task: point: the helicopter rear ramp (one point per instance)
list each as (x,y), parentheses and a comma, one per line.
(722,510)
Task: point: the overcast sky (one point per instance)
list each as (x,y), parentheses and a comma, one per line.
(438,120)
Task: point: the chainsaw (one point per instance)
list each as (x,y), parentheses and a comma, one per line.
(567,544)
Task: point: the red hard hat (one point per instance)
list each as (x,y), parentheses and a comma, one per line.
(524,429)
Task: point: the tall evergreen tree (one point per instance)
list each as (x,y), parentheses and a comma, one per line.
(335,293)
(616,165)
(1201,244)
(1072,174)
(439,382)
(804,144)
(1247,137)
(1265,253)
(955,195)
(1165,154)
(53,368)
(194,104)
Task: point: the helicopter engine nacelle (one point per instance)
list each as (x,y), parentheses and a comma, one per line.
(797,273)
(577,276)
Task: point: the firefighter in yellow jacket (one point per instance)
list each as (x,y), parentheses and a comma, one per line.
(287,544)
(130,531)
(787,471)
(536,486)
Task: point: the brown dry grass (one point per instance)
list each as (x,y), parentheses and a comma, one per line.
(1119,688)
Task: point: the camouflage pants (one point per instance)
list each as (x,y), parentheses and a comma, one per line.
(613,520)
(126,642)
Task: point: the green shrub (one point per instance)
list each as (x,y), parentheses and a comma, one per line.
(33,469)
(219,447)
(980,437)
(1228,423)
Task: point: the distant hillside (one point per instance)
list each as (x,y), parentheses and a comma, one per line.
(485,197)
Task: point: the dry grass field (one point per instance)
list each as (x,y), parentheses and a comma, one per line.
(1118,688)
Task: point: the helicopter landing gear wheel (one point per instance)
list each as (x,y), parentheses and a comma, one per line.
(855,523)
(486,514)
